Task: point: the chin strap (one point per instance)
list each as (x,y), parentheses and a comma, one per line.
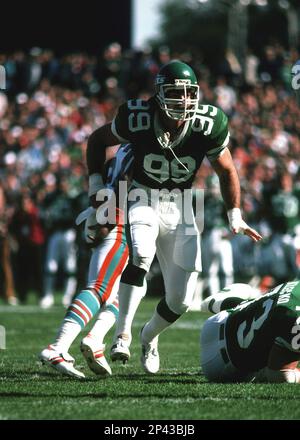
(168,146)
(177,158)
(164,140)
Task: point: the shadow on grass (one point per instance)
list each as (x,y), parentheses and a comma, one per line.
(116,396)
(161,377)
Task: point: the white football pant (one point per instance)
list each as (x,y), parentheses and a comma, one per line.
(166,229)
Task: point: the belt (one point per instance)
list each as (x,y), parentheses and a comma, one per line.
(223,350)
(161,192)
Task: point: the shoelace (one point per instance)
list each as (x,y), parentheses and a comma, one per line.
(152,351)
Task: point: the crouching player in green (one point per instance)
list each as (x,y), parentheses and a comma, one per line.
(250,337)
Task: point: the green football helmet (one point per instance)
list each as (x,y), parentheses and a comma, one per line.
(177,90)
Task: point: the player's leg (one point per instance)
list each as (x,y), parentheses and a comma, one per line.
(132,289)
(84,306)
(282,366)
(93,346)
(69,263)
(168,310)
(143,232)
(179,258)
(105,320)
(107,263)
(51,267)
(8,279)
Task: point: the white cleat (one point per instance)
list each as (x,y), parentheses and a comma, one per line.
(120,350)
(94,356)
(62,362)
(150,355)
(47,301)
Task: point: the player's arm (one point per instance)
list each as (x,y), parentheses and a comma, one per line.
(282,366)
(116,132)
(221,161)
(99,140)
(231,193)
(98,222)
(228,298)
(229,180)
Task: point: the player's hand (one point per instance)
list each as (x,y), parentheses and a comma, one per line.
(239,226)
(96,232)
(252,233)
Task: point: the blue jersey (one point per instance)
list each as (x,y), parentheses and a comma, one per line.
(116,171)
(119,167)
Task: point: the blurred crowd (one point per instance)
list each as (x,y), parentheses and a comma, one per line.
(50,107)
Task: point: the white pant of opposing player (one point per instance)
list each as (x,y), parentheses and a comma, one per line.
(163,229)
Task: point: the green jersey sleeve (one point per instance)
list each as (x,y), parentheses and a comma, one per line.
(132,118)
(219,136)
(119,125)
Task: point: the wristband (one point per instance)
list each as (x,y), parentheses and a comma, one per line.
(234,215)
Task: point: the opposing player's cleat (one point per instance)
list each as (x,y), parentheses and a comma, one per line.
(120,350)
(47,301)
(94,355)
(62,362)
(150,355)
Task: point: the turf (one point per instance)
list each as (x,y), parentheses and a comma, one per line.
(29,390)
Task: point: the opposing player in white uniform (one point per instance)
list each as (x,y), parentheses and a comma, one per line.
(170,134)
(108,259)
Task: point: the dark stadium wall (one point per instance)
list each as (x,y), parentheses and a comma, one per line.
(64,26)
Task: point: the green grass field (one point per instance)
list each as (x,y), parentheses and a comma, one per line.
(29,390)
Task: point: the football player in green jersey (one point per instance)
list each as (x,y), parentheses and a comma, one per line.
(252,336)
(171,134)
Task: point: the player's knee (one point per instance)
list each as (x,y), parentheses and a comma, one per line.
(166,311)
(177,305)
(143,263)
(133,275)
